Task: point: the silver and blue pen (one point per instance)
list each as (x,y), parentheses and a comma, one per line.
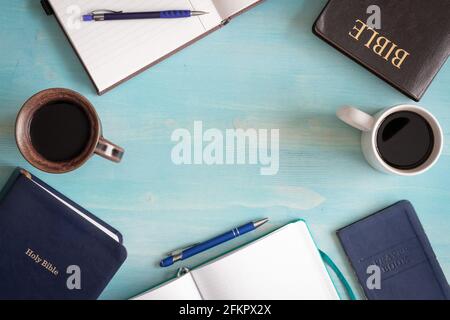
(198,248)
(108,15)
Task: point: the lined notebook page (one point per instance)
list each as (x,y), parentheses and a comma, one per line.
(114,50)
(228,8)
(183,288)
(283,265)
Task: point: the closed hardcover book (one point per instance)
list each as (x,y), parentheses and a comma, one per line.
(394,240)
(403,42)
(50,247)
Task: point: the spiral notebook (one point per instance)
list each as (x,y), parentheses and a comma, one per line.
(285,264)
(114,51)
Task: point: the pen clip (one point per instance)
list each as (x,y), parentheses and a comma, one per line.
(101,11)
(178,251)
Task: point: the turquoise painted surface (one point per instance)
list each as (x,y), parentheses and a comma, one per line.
(264,70)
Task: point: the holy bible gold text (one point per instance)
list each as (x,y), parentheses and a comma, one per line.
(380,45)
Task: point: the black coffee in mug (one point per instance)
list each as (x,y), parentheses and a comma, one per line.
(60,131)
(405,140)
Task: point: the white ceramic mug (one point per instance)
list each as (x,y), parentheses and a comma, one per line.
(369,125)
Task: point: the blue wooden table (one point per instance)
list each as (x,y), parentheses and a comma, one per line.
(264,70)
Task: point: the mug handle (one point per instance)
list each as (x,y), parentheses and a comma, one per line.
(109,150)
(356,118)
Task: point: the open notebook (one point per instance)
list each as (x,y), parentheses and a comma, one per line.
(114,51)
(285,264)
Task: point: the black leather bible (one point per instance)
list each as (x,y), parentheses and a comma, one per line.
(403,42)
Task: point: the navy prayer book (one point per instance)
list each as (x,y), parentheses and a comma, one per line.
(50,247)
(394,240)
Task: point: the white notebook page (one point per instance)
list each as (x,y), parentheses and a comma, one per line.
(114,50)
(283,265)
(183,288)
(228,8)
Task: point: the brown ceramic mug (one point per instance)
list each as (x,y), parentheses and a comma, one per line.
(58,130)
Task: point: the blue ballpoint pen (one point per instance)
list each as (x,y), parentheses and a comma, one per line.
(105,15)
(195,249)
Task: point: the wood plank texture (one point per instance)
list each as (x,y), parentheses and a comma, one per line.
(264,70)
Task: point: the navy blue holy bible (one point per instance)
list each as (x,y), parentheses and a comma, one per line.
(394,241)
(50,247)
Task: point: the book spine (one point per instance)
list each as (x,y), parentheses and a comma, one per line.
(360,281)
(353,270)
(12,179)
